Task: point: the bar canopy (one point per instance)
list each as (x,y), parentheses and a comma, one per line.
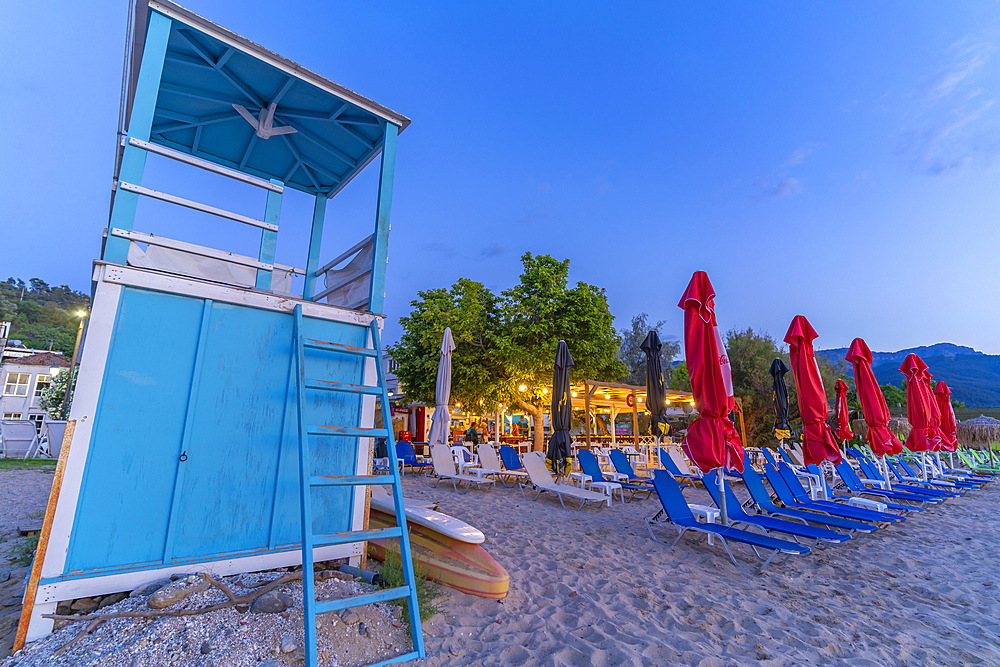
(214,83)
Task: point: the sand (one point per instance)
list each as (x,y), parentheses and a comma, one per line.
(590,588)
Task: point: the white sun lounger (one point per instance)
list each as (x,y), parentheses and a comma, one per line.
(19,436)
(444,468)
(534,463)
(491,465)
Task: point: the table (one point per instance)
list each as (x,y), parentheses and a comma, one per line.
(708,514)
(608,489)
(581,480)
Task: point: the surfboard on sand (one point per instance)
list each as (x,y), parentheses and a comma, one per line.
(419,514)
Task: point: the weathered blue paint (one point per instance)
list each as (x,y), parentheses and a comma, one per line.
(233,489)
(188,431)
(134,159)
(315,241)
(380,256)
(269,239)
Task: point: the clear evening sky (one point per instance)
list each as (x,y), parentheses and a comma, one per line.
(836,161)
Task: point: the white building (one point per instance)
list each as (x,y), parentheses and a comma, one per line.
(24,379)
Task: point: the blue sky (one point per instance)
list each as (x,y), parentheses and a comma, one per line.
(836,161)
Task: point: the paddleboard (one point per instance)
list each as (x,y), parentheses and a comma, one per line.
(460,565)
(417,514)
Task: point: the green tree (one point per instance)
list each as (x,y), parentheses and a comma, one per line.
(505,345)
(895,397)
(634,358)
(42,315)
(679,378)
(750,354)
(51,399)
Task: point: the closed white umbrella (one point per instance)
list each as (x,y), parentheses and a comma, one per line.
(441,421)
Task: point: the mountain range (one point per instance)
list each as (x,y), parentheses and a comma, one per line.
(973,377)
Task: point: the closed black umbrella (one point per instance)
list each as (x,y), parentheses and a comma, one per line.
(562,412)
(782,429)
(656,398)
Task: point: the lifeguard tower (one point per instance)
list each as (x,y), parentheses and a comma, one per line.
(221,421)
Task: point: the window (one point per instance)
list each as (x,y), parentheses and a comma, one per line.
(41,384)
(12,415)
(38,419)
(17,384)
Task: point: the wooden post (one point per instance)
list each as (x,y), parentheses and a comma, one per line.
(147,89)
(43,539)
(635,418)
(315,240)
(586,400)
(380,254)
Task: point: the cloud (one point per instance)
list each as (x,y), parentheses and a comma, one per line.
(952,144)
(969,56)
(796,157)
(441,249)
(786,187)
(493,250)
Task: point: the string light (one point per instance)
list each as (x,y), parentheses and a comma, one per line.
(522,387)
(545,390)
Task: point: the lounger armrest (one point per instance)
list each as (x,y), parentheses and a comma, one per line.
(877,482)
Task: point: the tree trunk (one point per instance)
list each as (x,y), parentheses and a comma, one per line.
(537,425)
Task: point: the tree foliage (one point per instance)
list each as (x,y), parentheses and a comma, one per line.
(40,313)
(635,359)
(507,341)
(751,353)
(52,396)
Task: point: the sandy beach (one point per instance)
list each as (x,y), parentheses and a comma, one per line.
(590,588)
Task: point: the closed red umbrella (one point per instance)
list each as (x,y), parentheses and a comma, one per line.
(712,440)
(949,426)
(843,430)
(818,443)
(921,408)
(873,406)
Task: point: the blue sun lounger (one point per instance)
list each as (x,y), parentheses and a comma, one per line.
(909,478)
(960,479)
(854,484)
(623,467)
(873,473)
(760,496)
(736,514)
(668,464)
(512,463)
(589,466)
(792,494)
(408,456)
(676,512)
(895,507)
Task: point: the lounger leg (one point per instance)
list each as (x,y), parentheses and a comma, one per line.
(559,495)
(773,554)
(680,534)
(726,545)
(538,494)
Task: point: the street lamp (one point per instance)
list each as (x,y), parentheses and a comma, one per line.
(82,314)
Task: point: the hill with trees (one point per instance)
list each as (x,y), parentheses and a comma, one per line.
(41,314)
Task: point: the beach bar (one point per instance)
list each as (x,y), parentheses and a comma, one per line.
(182,448)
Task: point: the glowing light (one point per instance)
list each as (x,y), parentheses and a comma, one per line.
(641,398)
(81,313)
(522,387)
(573,394)
(607,396)
(666,402)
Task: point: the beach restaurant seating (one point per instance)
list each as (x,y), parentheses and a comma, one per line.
(762,499)
(444,468)
(676,513)
(541,478)
(737,515)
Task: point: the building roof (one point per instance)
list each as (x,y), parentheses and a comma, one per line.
(210,71)
(43,359)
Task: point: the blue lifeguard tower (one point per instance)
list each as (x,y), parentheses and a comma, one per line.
(223,421)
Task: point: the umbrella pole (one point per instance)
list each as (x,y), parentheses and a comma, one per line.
(885,473)
(923,460)
(722,496)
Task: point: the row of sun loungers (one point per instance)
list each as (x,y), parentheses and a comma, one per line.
(787,519)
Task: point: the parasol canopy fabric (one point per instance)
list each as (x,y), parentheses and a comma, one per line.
(873,405)
(949,425)
(779,396)
(562,411)
(921,408)
(712,440)
(843,430)
(441,421)
(818,443)
(656,398)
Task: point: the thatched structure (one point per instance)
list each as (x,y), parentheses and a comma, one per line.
(979,432)
(898,425)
